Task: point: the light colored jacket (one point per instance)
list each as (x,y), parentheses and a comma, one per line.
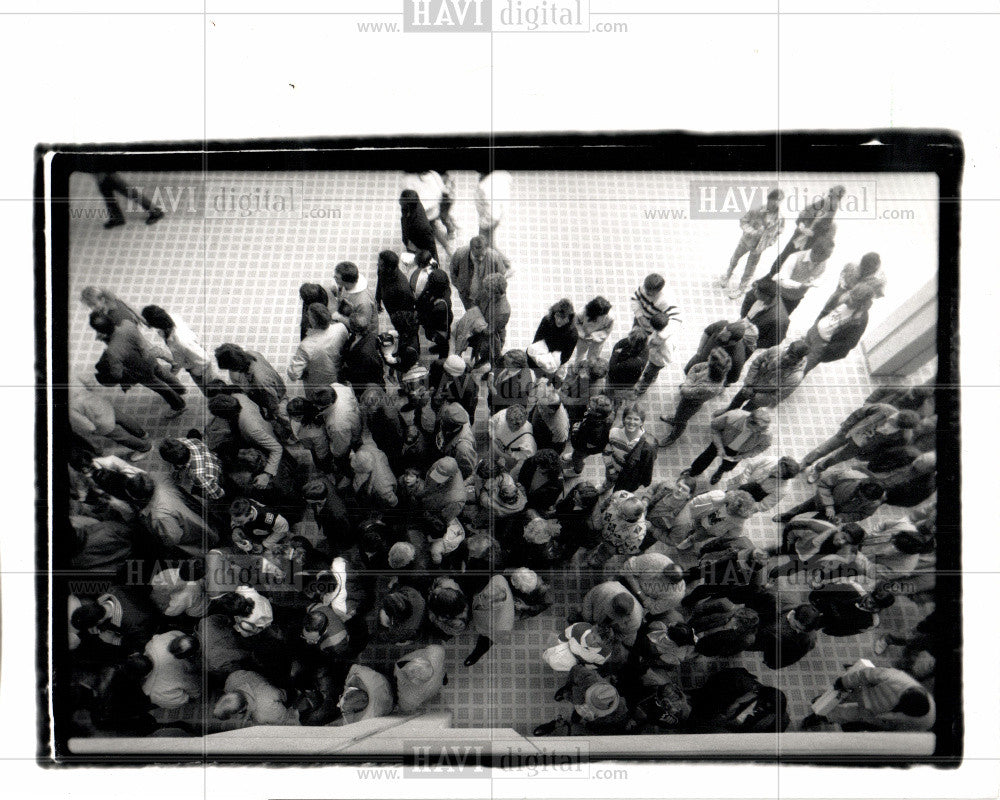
(318,357)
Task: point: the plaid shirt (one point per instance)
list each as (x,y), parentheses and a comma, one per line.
(203,469)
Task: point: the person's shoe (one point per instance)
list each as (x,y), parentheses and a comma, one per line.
(560,695)
(139,455)
(715,479)
(812,721)
(174,413)
(687,544)
(723,281)
(812,474)
(880,645)
(114,222)
(739,291)
(155,214)
(665,418)
(667,441)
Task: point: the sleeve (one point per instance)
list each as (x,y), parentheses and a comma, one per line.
(257,434)
(297,367)
(765,442)
(80,422)
(859,678)
(385,485)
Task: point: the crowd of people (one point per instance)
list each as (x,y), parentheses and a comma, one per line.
(341,503)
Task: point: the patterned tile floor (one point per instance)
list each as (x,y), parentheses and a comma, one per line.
(234,277)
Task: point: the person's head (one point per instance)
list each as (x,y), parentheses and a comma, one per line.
(354,700)
(673,574)
(586,495)
(232,357)
(653,284)
(835,195)
(157,318)
(601,406)
(807,617)
(442,471)
(495,285)
(597,368)
(81,460)
(719,364)
(93,298)
(597,308)
(788,468)
(636,340)
(310,293)
(737,330)
(175,452)
(318,316)
(860,298)
(760,418)
(795,352)
(633,419)
(299,408)
(314,625)
(561,313)
(235,605)
(397,608)
(447,603)
(437,284)
(102,325)
(871,491)
(869,264)
(877,600)
(315,494)
(821,250)
(477,247)
(684,487)
(659,321)
(358,322)
(424,259)
(506,489)
(515,359)
(524,580)
(229,705)
(140,488)
(631,509)
(774,198)
(88,614)
(548,461)
(346,274)
(906,420)
(388,262)
(913,703)
(515,416)
(401,555)
(241,511)
(137,666)
(740,504)
(765,290)
(225,406)
(409,200)
(324,397)
(622,604)
(850,535)
(184,647)
(362,463)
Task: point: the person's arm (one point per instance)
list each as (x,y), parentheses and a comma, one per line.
(298,364)
(80,422)
(257,434)
(716,427)
(824,491)
(858,678)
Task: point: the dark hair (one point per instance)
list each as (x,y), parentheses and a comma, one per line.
(102,323)
(140,487)
(323,397)
(776,194)
(563,306)
(653,282)
(548,461)
(597,368)
(797,350)
(871,490)
(597,307)
(388,260)
(719,364)
(318,316)
(447,603)
(396,607)
(856,533)
(423,258)
(788,468)
(315,622)
(223,405)
(821,250)
(913,702)
(80,459)
(659,321)
(311,293)
(907,419)
(173,451)
(158,318)
(409,201)
(808,616)
(137,665)
(239,507)
(347,272)
(235,605)
(232,357)
(870,262)
(87,615)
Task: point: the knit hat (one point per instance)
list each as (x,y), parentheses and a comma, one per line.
(524,580)
(453,414)
(401,555)
(515,359)
(454,365)
(602,697)
(442,470)
(418,670)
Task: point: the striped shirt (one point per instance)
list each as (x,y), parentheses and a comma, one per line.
(619,446)
(645,306)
